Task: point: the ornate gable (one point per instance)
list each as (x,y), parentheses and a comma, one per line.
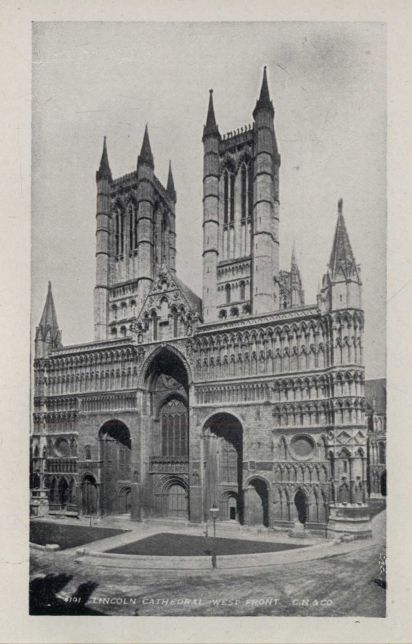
(170,310)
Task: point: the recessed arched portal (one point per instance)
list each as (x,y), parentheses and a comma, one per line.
(115,454)
(63,492)
(166,427)
(89,495)
(177,501)
(223,453)
(125,500)
(257,503)
(301,504)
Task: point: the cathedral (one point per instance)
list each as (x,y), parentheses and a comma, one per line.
(247,401)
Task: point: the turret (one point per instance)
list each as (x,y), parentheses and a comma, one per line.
(145,201)
(265,240)
(297,292)
(211,139)
(103,181)
(341,285)
(48,335)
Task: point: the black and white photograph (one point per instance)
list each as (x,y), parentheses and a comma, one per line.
(208,312)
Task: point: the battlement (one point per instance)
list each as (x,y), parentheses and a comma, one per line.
(236,137)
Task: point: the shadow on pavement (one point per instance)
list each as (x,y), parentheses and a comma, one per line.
(43,599)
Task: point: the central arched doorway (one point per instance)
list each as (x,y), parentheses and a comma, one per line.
(223,453)
(115,455)
(301,505)
(166,425)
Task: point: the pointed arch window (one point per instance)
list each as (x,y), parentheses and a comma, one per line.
(163,246)
(244,192)
(242,290)
(175,322)
(229,463)
(154,325)
(174,428)
(119,232)
(232,197)
(250,191)
(227,293)
(132,225)
(226,196)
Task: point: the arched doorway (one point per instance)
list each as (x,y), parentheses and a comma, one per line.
(383,483)
(115,454)
(177,501)
(223,453)
(63,493)
(301,504)
(125,500)
(257,503)
(89,495)
(166,425)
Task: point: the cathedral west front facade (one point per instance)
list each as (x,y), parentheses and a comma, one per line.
(248,399)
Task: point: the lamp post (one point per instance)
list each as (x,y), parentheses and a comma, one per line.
(214,511)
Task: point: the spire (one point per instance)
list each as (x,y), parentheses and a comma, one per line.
(104,171)
(211,127)
(146,155)
(170,184)
(293,262)
(48,330)
(49,317)
(264,102)
(342,258)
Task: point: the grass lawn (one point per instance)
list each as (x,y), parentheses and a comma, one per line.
(67,536)
(181,545)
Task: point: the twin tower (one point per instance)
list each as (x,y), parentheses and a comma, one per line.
(241,215)
(136,234)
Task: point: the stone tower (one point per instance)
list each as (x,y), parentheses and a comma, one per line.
(135,236)
(266,163)
(241,215)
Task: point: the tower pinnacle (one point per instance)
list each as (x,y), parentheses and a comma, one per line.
(211,127)
(264,102)
(170,184)
(146,155)
(104,171)
(293,262)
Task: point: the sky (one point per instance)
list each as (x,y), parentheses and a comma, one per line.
(328,85)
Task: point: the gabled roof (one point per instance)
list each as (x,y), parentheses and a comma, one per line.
(182,294)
